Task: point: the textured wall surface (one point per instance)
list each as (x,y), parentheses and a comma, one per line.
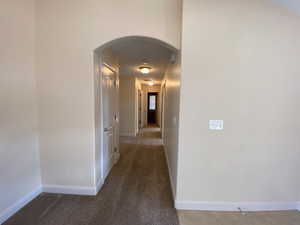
(244,70)
(19,159)
(67,34)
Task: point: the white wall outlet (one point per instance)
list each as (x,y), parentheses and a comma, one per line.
(216,124)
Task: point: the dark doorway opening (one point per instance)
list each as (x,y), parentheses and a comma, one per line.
(152,107)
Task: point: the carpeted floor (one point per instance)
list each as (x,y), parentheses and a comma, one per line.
(237,218)
(137,192)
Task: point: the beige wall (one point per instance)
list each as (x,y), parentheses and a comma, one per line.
(67,33)
(241,65)
(19,159)
(171,118)
(127,106)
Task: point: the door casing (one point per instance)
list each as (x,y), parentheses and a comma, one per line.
(152,113)
(115,129)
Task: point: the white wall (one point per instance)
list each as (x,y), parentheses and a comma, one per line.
(127,95)
(171,118)
(240,65)
(67,33)
(19,159)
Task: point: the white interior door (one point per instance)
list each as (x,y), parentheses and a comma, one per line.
(109,107)
(139,109)
(162,110)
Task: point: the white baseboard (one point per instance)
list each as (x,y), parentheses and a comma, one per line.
(71,190)
(99,186)
(129,134)
(170,176)
(58,189)
(298,206)
(237,206)
(19,204)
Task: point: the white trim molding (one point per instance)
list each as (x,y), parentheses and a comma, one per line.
(70,190)
(99,186)
(58,189)
(128,134)
(170,176)
(236,206)
(10,211)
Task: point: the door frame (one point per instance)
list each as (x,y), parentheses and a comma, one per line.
(148,104)
(115,155)
(162,109)
(140,110)
(99,64)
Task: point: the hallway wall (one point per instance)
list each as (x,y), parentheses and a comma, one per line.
(67,34)
(171,118)
(244,70)
(127,106)
(19,158)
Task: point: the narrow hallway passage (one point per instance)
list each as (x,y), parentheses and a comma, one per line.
(137,192)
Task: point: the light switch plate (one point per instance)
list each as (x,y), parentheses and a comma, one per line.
(216,124)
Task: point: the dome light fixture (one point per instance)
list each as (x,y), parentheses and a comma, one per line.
(151,83)
(145,69)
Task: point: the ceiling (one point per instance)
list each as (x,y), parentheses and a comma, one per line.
(133,52)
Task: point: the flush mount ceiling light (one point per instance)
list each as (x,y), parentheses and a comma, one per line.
(145,69)
(151,83)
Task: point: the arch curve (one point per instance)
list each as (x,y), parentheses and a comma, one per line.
(136,37)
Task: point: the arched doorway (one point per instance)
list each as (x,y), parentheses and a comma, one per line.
(125,57)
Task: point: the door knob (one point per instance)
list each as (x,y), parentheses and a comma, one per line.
(107,129)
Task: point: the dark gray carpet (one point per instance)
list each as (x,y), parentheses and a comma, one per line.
(137,192)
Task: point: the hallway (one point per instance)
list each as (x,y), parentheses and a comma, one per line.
(137,192)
